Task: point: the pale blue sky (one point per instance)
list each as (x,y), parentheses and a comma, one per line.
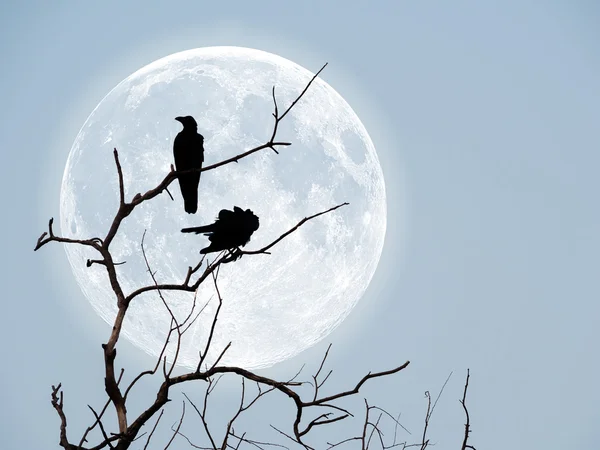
(485,117)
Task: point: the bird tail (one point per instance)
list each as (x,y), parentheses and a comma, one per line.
(190,202)
(197,230)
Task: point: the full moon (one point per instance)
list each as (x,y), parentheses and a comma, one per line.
(274,306)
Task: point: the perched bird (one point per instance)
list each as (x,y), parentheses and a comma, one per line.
(231,230)
(188,151)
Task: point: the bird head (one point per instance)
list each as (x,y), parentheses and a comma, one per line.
(187,121)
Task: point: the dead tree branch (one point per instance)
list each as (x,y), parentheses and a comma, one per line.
(129,430)
(58,402)
(467,423)
(290,231)
(153,429)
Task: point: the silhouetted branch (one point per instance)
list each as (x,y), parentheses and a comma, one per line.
(290,231)
(358,385)
(210,268)
(178,327)
(151,371)
(342,442)
(221,355)
(176,431)
(240,410)
(276,115)
(172,328)
(285,388)
(374,429)
(57,403)
(467,423)
(91,427)
(91,262)
(193,270)
(257,444)
(214,324)
(424,441)
(190,442)
(396,421)
(153,429)
(317,385)
(290,437)
(102,430)
(49,236)
(202,414)
(129,431)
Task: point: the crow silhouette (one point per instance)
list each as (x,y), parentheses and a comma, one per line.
(231,230)
(188,151)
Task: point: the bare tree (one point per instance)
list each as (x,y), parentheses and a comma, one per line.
(127,429)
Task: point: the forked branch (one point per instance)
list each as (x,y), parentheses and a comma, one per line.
(129,431)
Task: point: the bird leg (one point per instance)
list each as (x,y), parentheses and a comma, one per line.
(233,255)
(236,253)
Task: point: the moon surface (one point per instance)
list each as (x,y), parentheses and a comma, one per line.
(274,306)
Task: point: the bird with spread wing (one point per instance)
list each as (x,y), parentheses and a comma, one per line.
(231,230)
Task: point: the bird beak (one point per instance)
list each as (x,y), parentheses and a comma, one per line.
(179,119)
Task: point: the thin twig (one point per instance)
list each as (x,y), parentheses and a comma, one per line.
(213,325)
(291,230)
(154,428)
(178,427)
(317,385)
(468,423)
(202,416)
